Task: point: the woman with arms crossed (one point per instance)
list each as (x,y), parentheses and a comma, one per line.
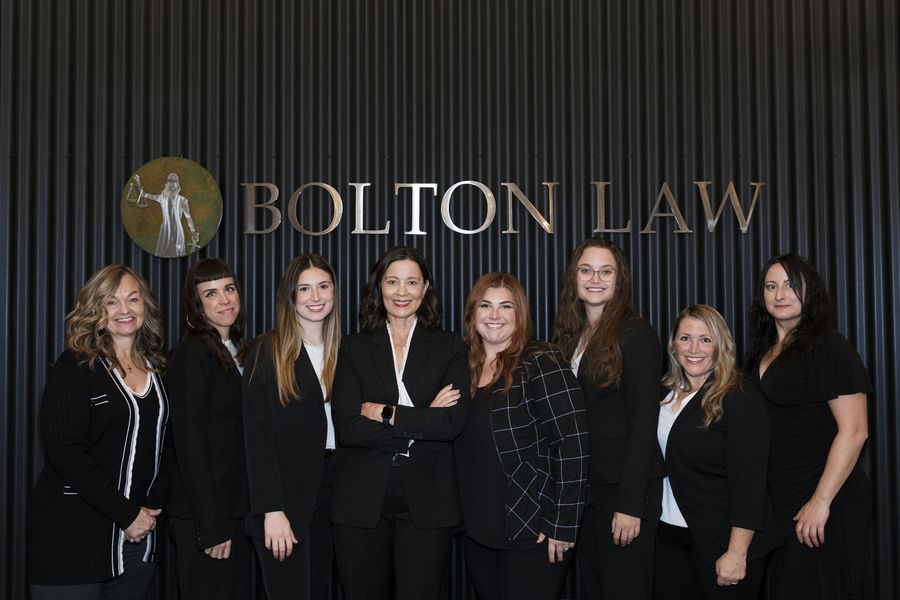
(208,500)
(522,457)
(717,520)
(290,439)
(400,399)
(816,392)
(618,360)
(103,419)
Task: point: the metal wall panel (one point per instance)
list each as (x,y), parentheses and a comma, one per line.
(799,95)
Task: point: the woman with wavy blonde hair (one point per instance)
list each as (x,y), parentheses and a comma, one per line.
(717,524)
(103,419)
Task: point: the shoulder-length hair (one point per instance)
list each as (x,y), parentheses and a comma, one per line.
(86,334)
(194,320)
(722,377)
(508,360)
(602,360)
(815,315)
(372,314)
(287,336)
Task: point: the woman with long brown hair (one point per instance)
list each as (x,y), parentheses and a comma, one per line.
(290,441)
(522,457)
(618,360)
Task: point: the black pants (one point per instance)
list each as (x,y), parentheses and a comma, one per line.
(394,555)
(683,573)
(608,571)
(203,577)
(514,574)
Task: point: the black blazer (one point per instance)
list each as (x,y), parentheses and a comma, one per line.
(78,509)
(622,422)
(285,444)
(365,373)
(718,475)
(209,479)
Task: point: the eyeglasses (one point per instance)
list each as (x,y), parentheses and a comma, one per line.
(586,273)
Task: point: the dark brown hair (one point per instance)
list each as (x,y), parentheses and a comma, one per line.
(372,314)
(194,320)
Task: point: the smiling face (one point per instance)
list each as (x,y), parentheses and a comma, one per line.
(596,279)
(695,349)
(495,318)
(782,300)
(221,304)
(125,309)
(402,289)
(314,296)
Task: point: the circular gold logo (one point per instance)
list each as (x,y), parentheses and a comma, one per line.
(171,207)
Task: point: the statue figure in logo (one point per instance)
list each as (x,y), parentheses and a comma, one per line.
(170,242)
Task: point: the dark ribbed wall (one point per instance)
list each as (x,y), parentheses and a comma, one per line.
(800,95)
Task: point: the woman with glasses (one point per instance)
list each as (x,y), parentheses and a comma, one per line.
(618,360)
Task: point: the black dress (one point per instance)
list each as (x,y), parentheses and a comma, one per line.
(797,390)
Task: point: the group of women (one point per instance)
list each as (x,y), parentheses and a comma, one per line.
(373,449)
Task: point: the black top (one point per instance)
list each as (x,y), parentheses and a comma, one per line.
(102,447)
(622,421)
(797,390)
(718,475)
(482,481)
(209,482)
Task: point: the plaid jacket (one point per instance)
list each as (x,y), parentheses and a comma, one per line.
(541,437)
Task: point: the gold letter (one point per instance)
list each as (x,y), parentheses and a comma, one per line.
(360,191)
(665,192)
(416,203)
(730,195)
(488,196)
(513,189)
(251,214)
(601,210)
(335,200)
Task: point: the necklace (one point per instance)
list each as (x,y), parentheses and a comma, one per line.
(228,341)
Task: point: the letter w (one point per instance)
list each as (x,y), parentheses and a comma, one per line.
(730,196)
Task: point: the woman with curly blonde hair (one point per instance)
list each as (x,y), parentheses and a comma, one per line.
(103,418)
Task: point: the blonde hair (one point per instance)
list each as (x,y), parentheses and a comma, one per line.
(722,377)
(86,334)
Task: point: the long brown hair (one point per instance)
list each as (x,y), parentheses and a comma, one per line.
(372,313)
(724,374)
(86,334)
(512,355)
(602,361)
(194,320)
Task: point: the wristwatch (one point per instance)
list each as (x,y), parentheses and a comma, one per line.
(387,413)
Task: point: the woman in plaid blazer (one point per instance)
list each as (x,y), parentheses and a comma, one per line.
(523,454)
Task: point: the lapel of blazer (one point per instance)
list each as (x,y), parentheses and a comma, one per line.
(419,347)
(690,415)
(384,364)
(304,371)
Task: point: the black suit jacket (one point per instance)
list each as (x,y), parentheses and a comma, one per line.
(285,444)
(209,479)
(622,422)
(365,373)
(718,475)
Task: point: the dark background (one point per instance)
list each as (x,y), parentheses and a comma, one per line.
(800,95)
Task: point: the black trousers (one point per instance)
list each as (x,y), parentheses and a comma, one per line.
(203,577)
(395,559)
(514,574)
(682,573)
(608,571)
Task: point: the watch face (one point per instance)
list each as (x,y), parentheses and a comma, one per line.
(387,412)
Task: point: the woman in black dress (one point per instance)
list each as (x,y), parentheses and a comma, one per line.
(522,457)
(618,360)
(103,419)
(400,399)
(717,523)
(208,499)
(816,390)
(288,382)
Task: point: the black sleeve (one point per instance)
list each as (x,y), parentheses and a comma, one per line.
(747,452)
(65,418)
(839,370)
(642,358)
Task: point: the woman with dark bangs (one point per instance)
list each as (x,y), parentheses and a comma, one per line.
(817,391)
(103,418)
(618,360)
(288,387)
(400,399)
(208,499)
(523,455)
